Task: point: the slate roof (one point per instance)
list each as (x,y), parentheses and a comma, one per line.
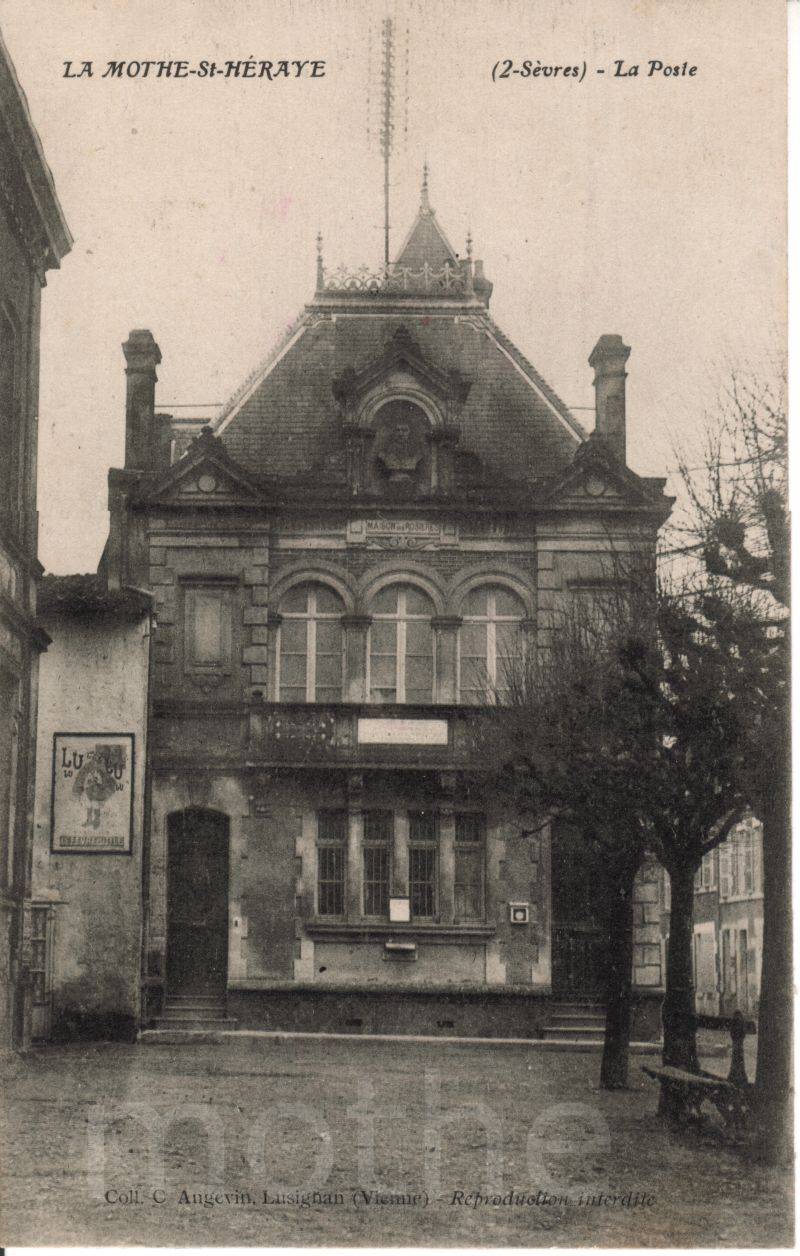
(283,425)
(89,594)
(512,420)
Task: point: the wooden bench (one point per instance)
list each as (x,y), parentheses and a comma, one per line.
(731,1096)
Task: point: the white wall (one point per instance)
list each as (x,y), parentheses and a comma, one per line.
(93,679)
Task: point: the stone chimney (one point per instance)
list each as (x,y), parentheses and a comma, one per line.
(142,356)
(608,358)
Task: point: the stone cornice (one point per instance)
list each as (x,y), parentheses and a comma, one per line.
(28,192)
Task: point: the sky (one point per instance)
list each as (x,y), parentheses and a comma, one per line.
(652,207)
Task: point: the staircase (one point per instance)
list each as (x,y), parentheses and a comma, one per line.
(576,1024)
(195,1012)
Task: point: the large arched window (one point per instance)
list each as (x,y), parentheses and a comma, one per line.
(310,645)
(401,656)
(489,643)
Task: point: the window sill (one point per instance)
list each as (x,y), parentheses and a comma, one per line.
(366,930)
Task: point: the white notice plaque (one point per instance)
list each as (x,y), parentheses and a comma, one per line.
(399,910)
(389,732)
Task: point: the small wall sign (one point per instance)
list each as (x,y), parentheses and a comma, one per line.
(92,798)
(399,910)
(402,533)
(392,732)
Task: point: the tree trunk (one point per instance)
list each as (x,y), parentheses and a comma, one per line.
(678,1013)
(616,1042)
(774,1061)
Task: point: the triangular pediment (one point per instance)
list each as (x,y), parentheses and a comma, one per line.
(206,475)
(597,479)
(591,487)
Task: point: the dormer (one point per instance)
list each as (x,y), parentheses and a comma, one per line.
(399,416)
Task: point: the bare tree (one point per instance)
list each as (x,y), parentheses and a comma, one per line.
(737,525)
(626,726)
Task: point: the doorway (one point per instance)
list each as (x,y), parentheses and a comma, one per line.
(197,902)
(579,945)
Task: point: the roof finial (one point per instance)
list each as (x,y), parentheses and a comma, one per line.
(320,266)
(424,202)
(468,267)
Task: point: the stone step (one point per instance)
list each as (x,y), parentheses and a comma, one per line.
(581,1008)
(598,1024)
(191,1023)
(198,1037)
(190,1015)
(569,1040)
(553,1029)
(205,999)
(194,1009)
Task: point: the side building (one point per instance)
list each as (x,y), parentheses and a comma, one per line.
(87,881)
(33,238)
(729,924)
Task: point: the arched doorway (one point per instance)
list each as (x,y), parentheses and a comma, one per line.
(197,902)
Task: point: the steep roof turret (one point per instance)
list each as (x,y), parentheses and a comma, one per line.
(426,242)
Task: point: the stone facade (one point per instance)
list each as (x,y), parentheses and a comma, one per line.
(33,239)
(390,509)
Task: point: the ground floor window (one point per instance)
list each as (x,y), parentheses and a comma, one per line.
(377,855)
(423,864)
(469,867)
(331,851)
(399,854)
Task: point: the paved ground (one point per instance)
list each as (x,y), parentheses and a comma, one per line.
(367,1143)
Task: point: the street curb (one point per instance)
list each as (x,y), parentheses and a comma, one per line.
(197,1037)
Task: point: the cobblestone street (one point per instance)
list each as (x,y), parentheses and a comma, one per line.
(306,1142)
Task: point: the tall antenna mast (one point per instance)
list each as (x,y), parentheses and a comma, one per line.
(387,123)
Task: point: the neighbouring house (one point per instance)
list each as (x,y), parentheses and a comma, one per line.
(87,880)
(33,238)
(729,924)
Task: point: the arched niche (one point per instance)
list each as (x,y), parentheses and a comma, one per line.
(400,457)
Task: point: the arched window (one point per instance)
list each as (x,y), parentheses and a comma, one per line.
(401,657)
(310,645)
(489,643)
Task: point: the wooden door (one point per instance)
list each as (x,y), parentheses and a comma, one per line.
(197,903)
(579,964)
(579,958)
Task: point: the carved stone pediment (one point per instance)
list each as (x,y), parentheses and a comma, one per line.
(206,476)
(596,479)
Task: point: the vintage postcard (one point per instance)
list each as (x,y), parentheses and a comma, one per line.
(394,624)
